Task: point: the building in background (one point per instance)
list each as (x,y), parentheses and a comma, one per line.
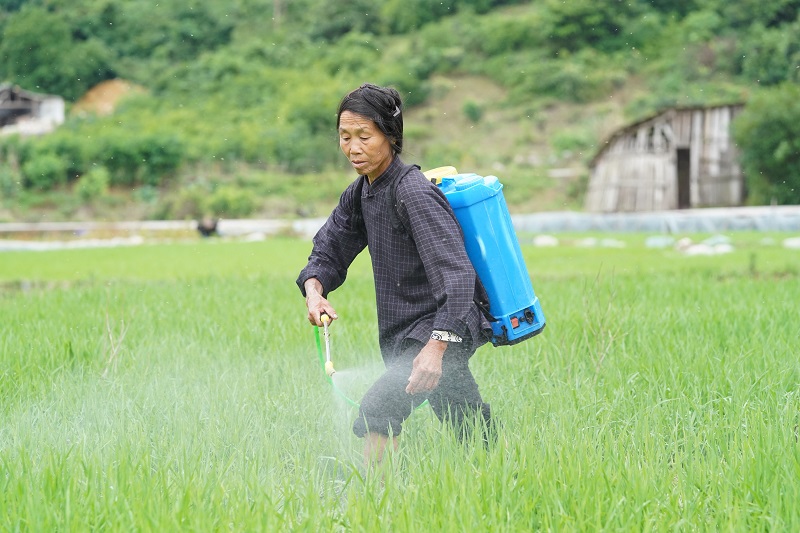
(28,113)
(679,158)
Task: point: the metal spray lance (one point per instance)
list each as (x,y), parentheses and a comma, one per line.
(328,363)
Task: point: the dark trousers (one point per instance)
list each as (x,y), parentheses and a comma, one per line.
(455,401)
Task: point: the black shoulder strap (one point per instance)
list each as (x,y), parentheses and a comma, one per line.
(481,298)
(397,221)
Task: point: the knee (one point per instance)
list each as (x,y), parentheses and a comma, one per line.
(382,425)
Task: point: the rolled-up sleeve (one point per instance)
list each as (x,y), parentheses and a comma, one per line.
(336,244)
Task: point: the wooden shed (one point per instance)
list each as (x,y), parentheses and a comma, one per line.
(680,158)
(29,113)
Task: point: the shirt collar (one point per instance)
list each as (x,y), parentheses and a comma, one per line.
(389,175)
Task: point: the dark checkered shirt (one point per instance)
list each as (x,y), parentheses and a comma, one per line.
(424,280)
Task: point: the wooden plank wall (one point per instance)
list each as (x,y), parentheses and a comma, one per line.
(719,180)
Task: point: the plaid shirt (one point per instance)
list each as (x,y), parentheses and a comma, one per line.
(424,280)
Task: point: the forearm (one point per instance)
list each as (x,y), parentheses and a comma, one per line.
(335,246)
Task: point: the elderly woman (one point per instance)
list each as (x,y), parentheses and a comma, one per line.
(428,322)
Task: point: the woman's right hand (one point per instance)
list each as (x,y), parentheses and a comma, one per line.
(317,305)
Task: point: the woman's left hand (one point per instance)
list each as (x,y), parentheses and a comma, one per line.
(427,368)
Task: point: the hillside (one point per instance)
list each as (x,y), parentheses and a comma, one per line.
(236,109)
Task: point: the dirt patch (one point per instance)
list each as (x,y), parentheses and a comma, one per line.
(103,98)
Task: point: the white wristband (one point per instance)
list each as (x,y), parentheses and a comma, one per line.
(447,336)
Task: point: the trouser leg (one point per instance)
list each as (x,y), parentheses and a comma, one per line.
(457,400)
(386,405)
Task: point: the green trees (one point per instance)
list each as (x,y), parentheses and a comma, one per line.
(773,54)
(37,51)
(768,13)
(579,24)
(332,20)
(768,133)
(173,31)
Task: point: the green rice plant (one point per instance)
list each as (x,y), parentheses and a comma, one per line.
(662,395)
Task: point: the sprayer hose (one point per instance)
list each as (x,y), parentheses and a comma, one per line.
(329,378)
(339,391)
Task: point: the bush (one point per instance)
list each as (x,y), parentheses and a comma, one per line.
(10,182)
(300,151)
(569,141)
(188,203)
(132,159)
(68,147)
(146,194)
(160,155)
(500,34)
(93,184)
(578,77)
(118,154)
(44,171)
(473,111)
(15,150)
(231,202)
(768,134)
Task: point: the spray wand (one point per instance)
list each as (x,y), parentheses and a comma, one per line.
(329,370)
(328,363)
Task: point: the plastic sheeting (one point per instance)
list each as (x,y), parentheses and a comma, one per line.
(712,220)
(716,220)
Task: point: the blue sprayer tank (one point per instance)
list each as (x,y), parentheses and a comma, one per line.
(494,250)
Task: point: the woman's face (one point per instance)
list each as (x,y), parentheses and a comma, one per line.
(364,145)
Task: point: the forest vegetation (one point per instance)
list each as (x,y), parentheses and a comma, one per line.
(235,112)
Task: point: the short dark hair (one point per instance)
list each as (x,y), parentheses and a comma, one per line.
(382,105)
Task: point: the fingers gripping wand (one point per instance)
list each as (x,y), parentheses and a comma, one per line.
(328,363)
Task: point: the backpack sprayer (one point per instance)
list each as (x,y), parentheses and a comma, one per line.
(493,248)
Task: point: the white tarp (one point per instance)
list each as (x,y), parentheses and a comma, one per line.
(762,218)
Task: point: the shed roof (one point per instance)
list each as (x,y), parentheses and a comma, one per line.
(625,130)
(7,89)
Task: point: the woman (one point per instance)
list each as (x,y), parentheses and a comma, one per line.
(429,324)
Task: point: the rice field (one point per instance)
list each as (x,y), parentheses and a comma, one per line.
(178,387)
